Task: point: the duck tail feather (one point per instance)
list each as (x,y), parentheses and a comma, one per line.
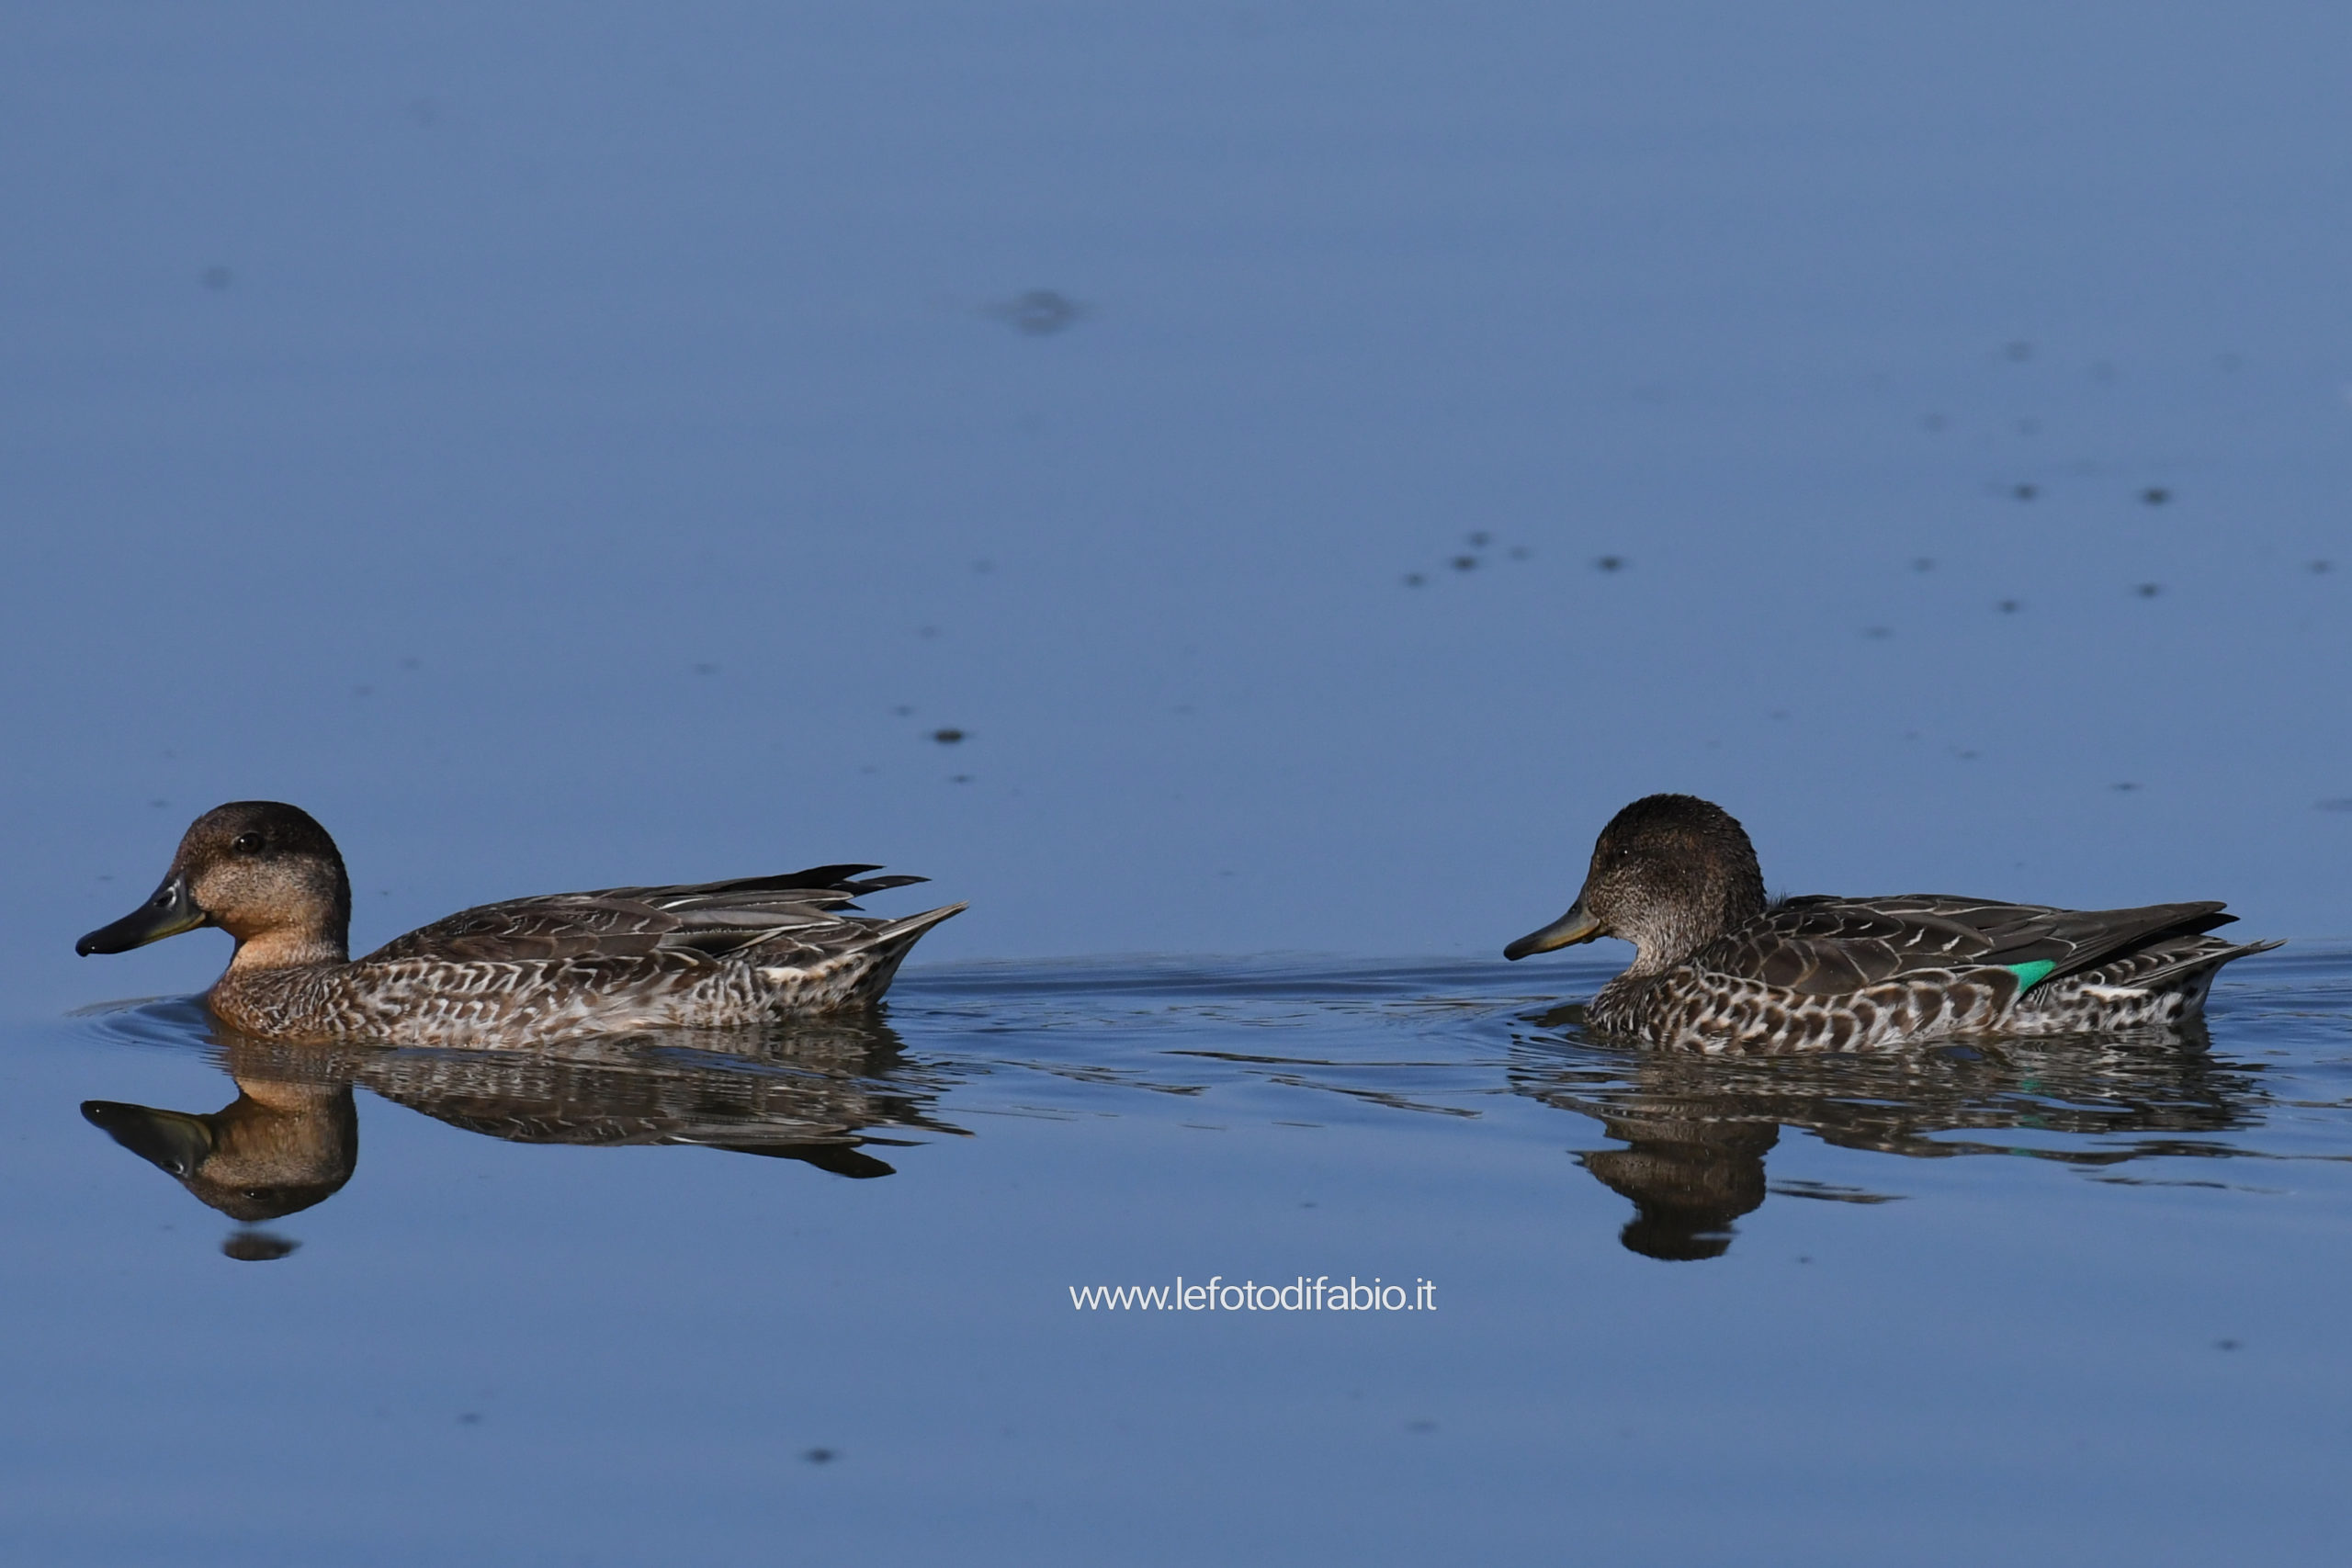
(2199,963)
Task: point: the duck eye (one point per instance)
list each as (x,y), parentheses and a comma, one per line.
(246,843)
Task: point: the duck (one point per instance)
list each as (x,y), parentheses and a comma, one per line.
(1718,968)
(523,972)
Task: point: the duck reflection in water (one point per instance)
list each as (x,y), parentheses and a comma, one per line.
(1697,1128)
(809,1090)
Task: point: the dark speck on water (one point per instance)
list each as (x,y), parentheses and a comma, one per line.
(820,1456)
(1040,312)
(1414,580)
(2149,590)
(2010,607)
(1465,563)
(1611,563)
(2025,491)
(947,737)
(2155,495)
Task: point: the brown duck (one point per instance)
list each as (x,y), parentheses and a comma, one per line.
(712,954)
(1718,968)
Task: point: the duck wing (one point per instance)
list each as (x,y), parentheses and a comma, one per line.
(713,919)
(1831,946)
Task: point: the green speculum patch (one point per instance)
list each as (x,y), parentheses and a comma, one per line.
(2030,975)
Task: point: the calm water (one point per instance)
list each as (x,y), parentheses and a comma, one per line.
(1248,477)
(2073,1299)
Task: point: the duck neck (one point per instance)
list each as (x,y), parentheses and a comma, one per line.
(1661,945)
(289,949)
(1652,957)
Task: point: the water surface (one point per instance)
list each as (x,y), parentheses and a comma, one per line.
(679,1296)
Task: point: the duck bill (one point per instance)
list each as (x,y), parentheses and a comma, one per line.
(1570,928)
(172,911)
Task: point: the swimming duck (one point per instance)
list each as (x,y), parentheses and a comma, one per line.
(712,955)
(1716,967)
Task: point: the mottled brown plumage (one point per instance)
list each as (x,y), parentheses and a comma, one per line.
(713,955)
(1718,968)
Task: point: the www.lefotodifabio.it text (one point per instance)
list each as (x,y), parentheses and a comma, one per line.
(1321,1294)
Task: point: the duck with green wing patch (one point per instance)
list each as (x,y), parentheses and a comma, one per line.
(1719,967)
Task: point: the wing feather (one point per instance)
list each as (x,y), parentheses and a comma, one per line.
(1829,947)
(793,912)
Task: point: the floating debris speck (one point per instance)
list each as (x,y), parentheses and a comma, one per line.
(1040,312)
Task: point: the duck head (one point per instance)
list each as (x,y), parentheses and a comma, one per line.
(265,873)
(1670,873)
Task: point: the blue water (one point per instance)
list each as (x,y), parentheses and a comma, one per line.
(2054,1300)
(1255,480)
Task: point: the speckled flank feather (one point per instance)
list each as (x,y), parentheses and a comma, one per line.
(827,962)
(709,955)
(1828,973)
